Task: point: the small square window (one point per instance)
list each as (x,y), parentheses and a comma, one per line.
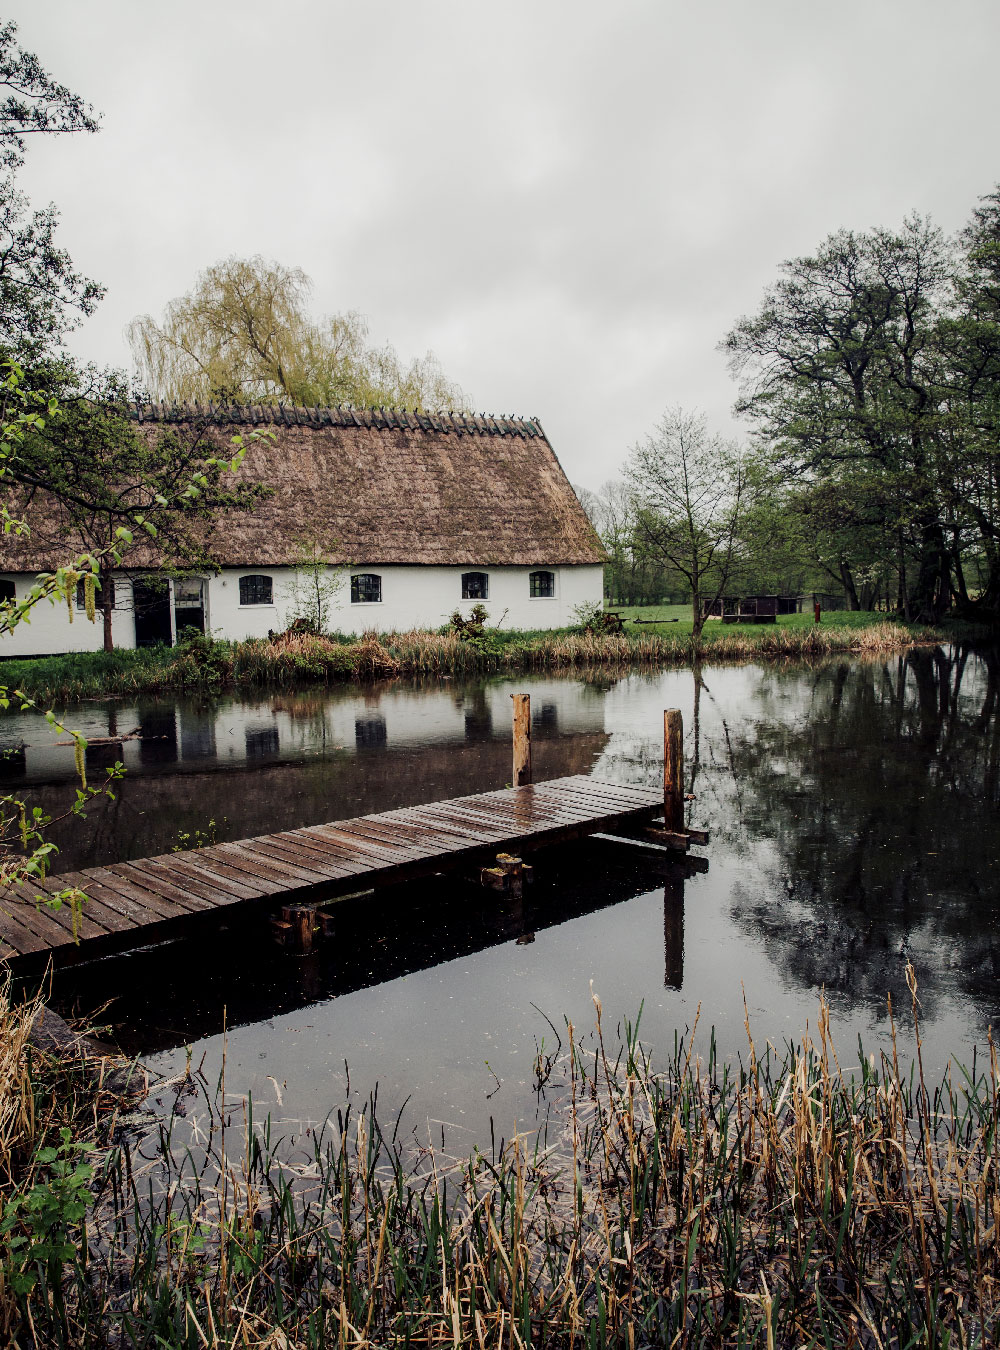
(256,590)
(366,588)
(475,586)
(542,585)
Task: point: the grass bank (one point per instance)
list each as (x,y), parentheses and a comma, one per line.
(297,659)
(777,1200)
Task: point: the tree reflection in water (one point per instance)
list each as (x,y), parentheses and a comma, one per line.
(879,791)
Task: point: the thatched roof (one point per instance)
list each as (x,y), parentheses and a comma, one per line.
(381,486)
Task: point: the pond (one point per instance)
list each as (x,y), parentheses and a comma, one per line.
(853,806)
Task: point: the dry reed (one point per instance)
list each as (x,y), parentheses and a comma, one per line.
(298,658)
(775,1201)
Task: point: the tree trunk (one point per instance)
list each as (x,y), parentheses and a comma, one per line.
(960,583)
(107,600)
(850,590)
(697,619)
(902,597)
(932,592)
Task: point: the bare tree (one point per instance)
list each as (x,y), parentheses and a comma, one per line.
(691,491)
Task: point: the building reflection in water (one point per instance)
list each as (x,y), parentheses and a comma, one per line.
(281,761)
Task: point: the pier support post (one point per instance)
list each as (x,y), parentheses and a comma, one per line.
(673,771)
(509,875)
(302,921)
(522,740)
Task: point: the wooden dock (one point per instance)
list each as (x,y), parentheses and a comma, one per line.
(131,903)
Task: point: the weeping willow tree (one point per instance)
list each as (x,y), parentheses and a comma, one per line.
(244,335)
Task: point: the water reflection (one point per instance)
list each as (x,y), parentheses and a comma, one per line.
(879,796)
(231,768)
(374,938)
(853,809)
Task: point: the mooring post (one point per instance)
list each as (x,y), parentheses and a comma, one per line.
(673,770)
(522,739)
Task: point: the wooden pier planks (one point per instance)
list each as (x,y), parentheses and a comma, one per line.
(126,899)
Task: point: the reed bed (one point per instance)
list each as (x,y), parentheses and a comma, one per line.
(295,659)
(773,1200)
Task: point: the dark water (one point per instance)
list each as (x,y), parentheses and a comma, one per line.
(854,814)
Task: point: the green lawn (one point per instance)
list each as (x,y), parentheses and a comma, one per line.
(677,619)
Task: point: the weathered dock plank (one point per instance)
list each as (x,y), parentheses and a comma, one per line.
(139,901)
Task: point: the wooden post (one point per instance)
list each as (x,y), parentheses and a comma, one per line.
(673,771)
(522,739)
(509,875)
(302,919)
(816,611)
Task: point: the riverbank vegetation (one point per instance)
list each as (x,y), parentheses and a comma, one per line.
(794,1198)
(300,658)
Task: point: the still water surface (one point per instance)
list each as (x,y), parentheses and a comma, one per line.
(853,806)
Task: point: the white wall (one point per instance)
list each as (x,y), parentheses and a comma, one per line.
(50,630)
(412,597)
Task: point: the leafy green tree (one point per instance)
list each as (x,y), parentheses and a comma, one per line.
(42,295)
(843,372)
(970,335)
(244,335)
(91,472)
(821,536)
(633,575)
(692,491)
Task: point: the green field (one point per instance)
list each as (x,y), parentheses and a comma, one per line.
(677,619)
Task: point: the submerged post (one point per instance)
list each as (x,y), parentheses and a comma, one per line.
(522,739)
(673,770)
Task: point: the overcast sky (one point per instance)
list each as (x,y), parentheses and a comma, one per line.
(568,202)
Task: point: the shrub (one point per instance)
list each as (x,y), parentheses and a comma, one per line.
(373,660)
(473,630)
(591,617)
(200,659)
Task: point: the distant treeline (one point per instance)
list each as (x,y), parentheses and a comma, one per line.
(870,381)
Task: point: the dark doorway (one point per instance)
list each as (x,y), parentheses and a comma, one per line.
(151,599)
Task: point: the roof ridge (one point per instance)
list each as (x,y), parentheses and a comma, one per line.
(386,418)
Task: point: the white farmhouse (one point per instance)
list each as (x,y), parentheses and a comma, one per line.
(419,513)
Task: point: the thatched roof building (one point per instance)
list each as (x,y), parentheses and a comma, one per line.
(378,485)
(416,514)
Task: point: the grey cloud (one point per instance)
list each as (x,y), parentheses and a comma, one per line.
(569,202)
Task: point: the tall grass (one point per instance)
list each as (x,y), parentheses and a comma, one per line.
(778,1201)
(300,658)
